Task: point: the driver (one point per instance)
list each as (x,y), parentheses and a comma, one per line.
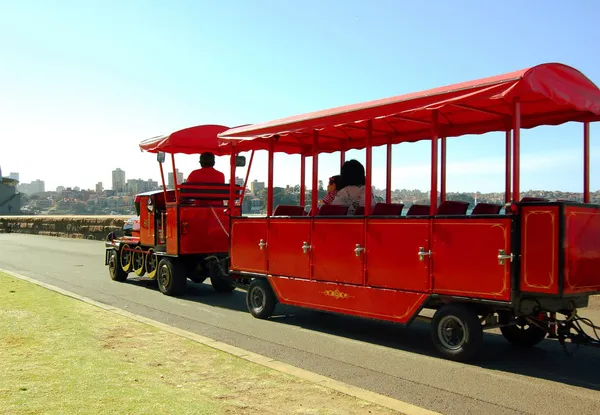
(206,173)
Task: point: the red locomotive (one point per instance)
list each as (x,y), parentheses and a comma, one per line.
(183,232)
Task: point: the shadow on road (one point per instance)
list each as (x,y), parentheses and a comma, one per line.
(546,361)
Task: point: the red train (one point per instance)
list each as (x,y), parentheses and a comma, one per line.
(525,266)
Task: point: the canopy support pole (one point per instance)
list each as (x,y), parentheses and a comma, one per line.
(270,179)
(302,180)
(388,177)
(586,162)
(369,188)
(368,197)
(174,179)
(315,173)
(232,180)
(516,150)
(342,154)
(434,165)
(246,181)
(443,171)
(162,178)
(508,168)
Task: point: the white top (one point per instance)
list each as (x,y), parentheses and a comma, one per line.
(353,196)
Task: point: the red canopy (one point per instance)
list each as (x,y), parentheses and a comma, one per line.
(550,94)
(193,140)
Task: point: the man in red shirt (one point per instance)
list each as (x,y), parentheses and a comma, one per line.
(206,173)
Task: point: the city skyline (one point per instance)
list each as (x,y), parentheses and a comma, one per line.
(37,184)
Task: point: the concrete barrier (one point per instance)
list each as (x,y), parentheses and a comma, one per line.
(78,227)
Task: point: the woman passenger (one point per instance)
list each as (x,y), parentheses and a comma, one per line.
(334,186)
(353,193)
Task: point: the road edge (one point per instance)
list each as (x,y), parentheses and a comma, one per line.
(354,391)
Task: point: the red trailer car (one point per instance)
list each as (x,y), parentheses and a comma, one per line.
(183,232)
(519,267)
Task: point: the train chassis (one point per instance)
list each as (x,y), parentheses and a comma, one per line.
(457,325)
(170,271)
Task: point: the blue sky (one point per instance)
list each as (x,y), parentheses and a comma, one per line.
(84,82)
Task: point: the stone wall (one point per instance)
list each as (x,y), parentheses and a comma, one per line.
(79,227)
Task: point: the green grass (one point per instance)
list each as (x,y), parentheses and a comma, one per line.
(59,355)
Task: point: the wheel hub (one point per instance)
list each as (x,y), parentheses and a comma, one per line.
(258,298)
(164,276)
(112,263)
(452,332)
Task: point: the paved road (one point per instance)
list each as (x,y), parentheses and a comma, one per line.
(378,356)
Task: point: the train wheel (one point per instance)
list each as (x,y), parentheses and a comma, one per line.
(125,257)
(522,333)
(171,277)
(456,332)
(220,285)
(260,299)
(151,262)
(114,269)
(138,261)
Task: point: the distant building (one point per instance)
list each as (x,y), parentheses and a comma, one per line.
(37,186)
(99,188)
(255,186)
(60,189)
(256,206)
(118,180)
(171,184)
(10,199)
(135,186)
(14,176)
(152,184)
(239,181)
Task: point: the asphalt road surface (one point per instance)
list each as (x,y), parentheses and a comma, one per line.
(398,362)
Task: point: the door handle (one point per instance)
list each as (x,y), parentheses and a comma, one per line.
(503,256)
(306,247)
(422,253)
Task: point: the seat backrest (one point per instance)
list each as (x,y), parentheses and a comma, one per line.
(453,207)
(388,209)
(289,210)
(486,209)
(333,210)
(528,199)
(310,212)
(418,210)
(208,191)
(360,211)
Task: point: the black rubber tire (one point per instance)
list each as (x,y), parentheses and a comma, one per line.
(197,279)
(171,277)
(521,337)
(138,254)
(114,267)
(260,299)
(220,285)
(469,330)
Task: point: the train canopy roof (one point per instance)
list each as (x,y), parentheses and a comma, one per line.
(549,94)
(192,140)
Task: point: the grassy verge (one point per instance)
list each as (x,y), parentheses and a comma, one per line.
(63,356)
